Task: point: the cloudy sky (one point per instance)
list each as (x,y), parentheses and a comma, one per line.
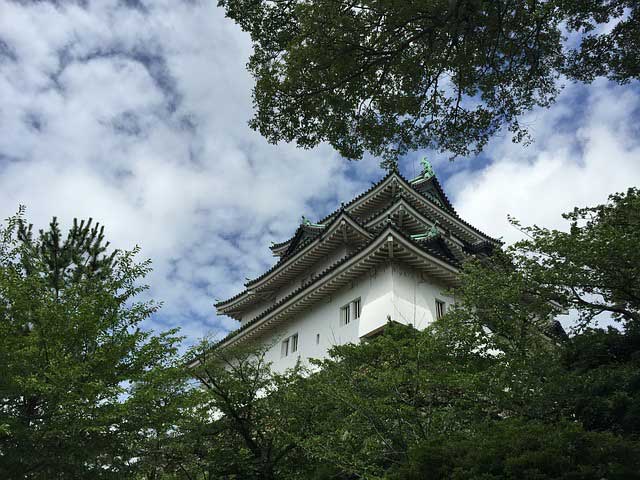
(134,113)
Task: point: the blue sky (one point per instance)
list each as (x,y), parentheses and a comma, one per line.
(135,113)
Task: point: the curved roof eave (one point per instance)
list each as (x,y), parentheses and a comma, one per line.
(255,283)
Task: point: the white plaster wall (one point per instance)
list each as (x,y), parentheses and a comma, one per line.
(414,296)
(323,318)
(389,290)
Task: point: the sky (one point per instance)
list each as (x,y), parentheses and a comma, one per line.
(135,113)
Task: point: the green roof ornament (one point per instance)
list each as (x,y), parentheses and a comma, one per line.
(428,234)
(427,168)
(309,223)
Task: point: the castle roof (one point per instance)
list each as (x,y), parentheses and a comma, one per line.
(428,191)
(416,211)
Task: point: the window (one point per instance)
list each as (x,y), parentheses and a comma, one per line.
(317,339)
(345,314)
(356,309)
(349,311)
(284,351)
(441,309)
(289,345)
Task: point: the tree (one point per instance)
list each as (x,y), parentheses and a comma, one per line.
(391,76)
(237,428)
(516,448)
(75,363)
(595,266)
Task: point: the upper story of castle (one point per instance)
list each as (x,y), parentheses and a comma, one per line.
(411,221)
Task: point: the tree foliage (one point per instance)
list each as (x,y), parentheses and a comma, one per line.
(74,361)
(594,266)
(388,76)
(235,429)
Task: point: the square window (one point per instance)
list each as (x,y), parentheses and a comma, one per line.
(345,315)
(441,309)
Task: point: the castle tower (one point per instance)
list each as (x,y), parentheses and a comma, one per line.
(392,252)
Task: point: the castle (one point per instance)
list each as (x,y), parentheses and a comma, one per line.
(391,253)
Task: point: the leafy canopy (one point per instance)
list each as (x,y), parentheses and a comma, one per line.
(81,385)
(389,76)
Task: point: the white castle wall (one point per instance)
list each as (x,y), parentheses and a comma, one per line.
(390,290)
(414,296)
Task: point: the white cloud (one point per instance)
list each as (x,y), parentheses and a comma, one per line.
(138,119)
(585,148)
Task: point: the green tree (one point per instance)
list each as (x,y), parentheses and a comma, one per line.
(595,266)
(514,449)
(388,76)
(77,371)
(237,428)
(602,382)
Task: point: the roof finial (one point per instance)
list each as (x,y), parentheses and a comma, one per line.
(308,223)
(427,168)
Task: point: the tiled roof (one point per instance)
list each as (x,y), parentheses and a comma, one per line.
(358,197)
(438,248)
(293,247)
(480,247)
(449,210)
(441,192)
(304,243)
(284,258)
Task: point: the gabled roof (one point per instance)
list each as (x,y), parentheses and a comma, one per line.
(344,219)
(343,225)
(398,210)
(302,233)
(424,199)
(446,209)
(431,187)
